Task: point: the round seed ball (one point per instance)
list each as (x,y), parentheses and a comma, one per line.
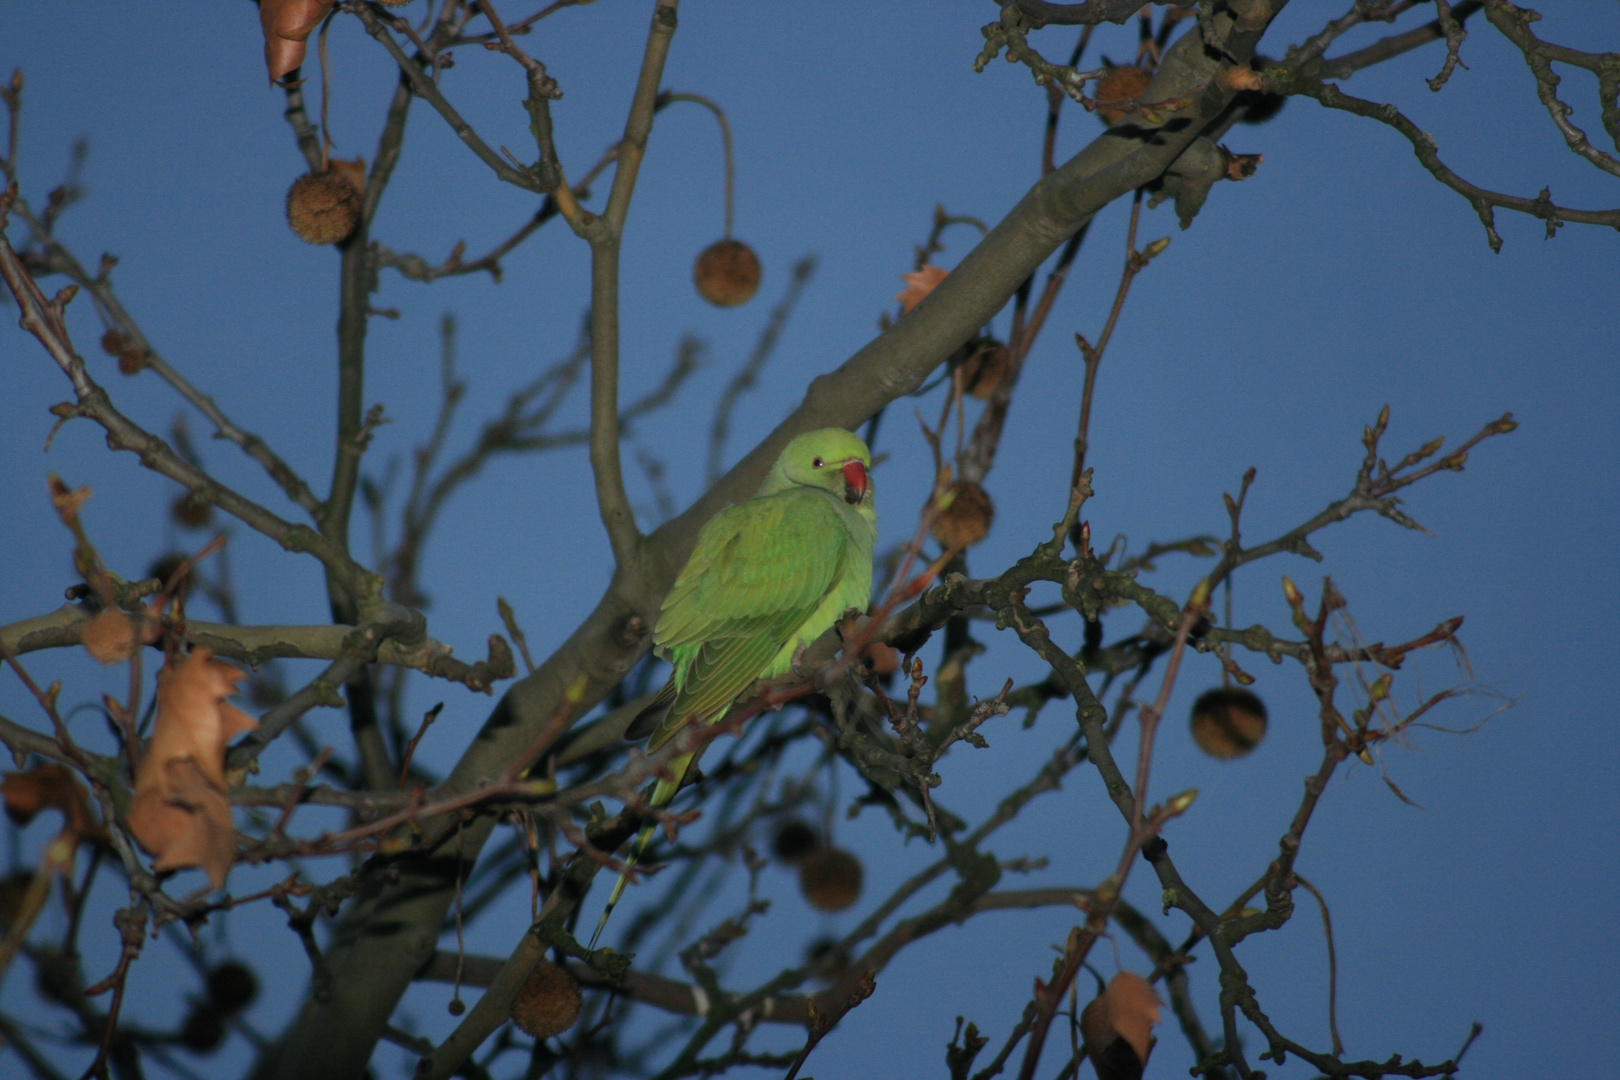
(967,515)
(983,374)
(204,1029)
(164,567)
(794,840)
(323,208)
(830,879)
(727,273)
(1228,722)
(191,512)
(549,1002)
(232,986)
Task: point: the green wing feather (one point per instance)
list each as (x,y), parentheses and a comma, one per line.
(760,570)
(766,574)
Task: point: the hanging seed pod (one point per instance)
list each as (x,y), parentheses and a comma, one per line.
(323,208)
(1228,722)
(830,879)
(549,1002)
(825,959)
(727,273)
(232,986)
(965,516)
(164,567)
(191,511)
(204,1029)
(794,840)
(987,359)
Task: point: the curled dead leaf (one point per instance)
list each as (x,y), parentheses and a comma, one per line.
(287,25)
(66,500)
(51,787)
(184,821)
(180,814)
(919,283)
(1117,1027)
(1240,166)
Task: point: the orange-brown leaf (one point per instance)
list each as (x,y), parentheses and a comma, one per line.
(287,25)
(50,787)
(919,284)
(185,822)
(1240,166)
(194,721)
(67,500)
(180,813)
(1117,1027)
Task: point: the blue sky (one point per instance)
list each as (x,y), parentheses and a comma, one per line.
(1339,278)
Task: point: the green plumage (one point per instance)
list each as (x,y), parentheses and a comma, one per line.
(767,576)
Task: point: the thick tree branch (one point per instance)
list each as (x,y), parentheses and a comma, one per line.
(391,929)
(1039,13)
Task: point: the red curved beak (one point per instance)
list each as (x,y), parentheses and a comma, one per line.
(855,481)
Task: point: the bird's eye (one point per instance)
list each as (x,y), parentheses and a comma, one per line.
(816,463)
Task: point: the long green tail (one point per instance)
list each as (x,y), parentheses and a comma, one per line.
(663,793)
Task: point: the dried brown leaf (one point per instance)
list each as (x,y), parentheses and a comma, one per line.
(194,721)
(180,813)
(287,25)
(919,284)
(1240,166)
(1117,1027)
(50,787)
(66,500)
(185,822)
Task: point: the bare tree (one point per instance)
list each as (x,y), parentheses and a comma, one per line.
(545,793)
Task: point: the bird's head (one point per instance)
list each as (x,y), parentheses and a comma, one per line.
(832,459)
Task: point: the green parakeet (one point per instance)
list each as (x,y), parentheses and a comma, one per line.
(767,577)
